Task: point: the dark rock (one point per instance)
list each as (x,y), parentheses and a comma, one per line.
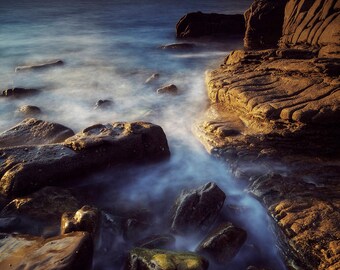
(103,104)
(85,219)
(150,259)
(168,89)
(264,21)
(17,92)
(198,24)
(29,110)
(161,241)
(196,210)
(178,46)
(38,66)
(134,229)
(152,78)
(69,251)
(47,204)
(223,243)
(25,169)
(9,224)
(295,54)
(32,131)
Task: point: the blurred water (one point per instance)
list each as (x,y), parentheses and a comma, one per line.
(110,47)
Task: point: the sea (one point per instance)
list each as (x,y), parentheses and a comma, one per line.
(109,49)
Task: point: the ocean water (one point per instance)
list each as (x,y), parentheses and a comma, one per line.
(110,47)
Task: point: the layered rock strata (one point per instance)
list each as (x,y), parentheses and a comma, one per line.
(275,118)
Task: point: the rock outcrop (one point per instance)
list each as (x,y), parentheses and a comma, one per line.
(39,66)
(25,169)
(275,118)
(198,24)
(69,251)
(32,131)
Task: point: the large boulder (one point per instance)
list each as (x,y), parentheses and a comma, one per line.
(264,20)
(32,131)
(69,251)
(223,243)
(196,210)
(150,259)
(17,92)
(25,169)
(198,24)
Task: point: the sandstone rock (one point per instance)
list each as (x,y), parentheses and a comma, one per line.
(32,131)
(18,92)
(103,104)
(38,66)
(162,241)
(47,204)
(168,89)
(152,78)
(196,210)
(149,259)
(178,46)
(69,251)
(198,24)
(29,110)
(223,243)
(264,21)
(85,219)
(316,23)
(24,169)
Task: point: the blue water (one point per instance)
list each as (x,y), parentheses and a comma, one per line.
(110,48)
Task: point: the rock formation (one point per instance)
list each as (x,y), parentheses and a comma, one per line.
(277,109)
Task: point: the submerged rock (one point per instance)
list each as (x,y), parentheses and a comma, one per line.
(18,92)
(25,169)
(85,219)
(168,89)
(103,104)
(161,241)
(150,259)
(32,131)
(196,210)
(223,243)
(38,66)
(152,78)
(69,251)
(178,46)
(29,110)
(198,24)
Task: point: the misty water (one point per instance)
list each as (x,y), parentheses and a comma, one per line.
(110,48)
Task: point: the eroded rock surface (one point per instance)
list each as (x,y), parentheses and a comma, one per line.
(24,169)
(69,251)
(149,259)
(196,210)
(32,131)
(198,24)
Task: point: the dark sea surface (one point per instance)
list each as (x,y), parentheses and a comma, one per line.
(110,48)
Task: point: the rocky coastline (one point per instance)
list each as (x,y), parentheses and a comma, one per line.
(273,119)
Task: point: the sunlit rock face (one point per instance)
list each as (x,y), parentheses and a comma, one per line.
(96,147)
(69,251)
(275,117)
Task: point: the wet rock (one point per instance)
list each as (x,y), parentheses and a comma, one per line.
(25,169)
(134,229)
(29,110)
(18,92)
(69,251)
(32,131)
(178,46)
(223,243)
(9,224)
(103,104)
(198,24)
(39,66)
(196,210)
(264,21)
(149,259)
(161,241)
(85,219)
(152,78)
(47,204)
(168,89)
